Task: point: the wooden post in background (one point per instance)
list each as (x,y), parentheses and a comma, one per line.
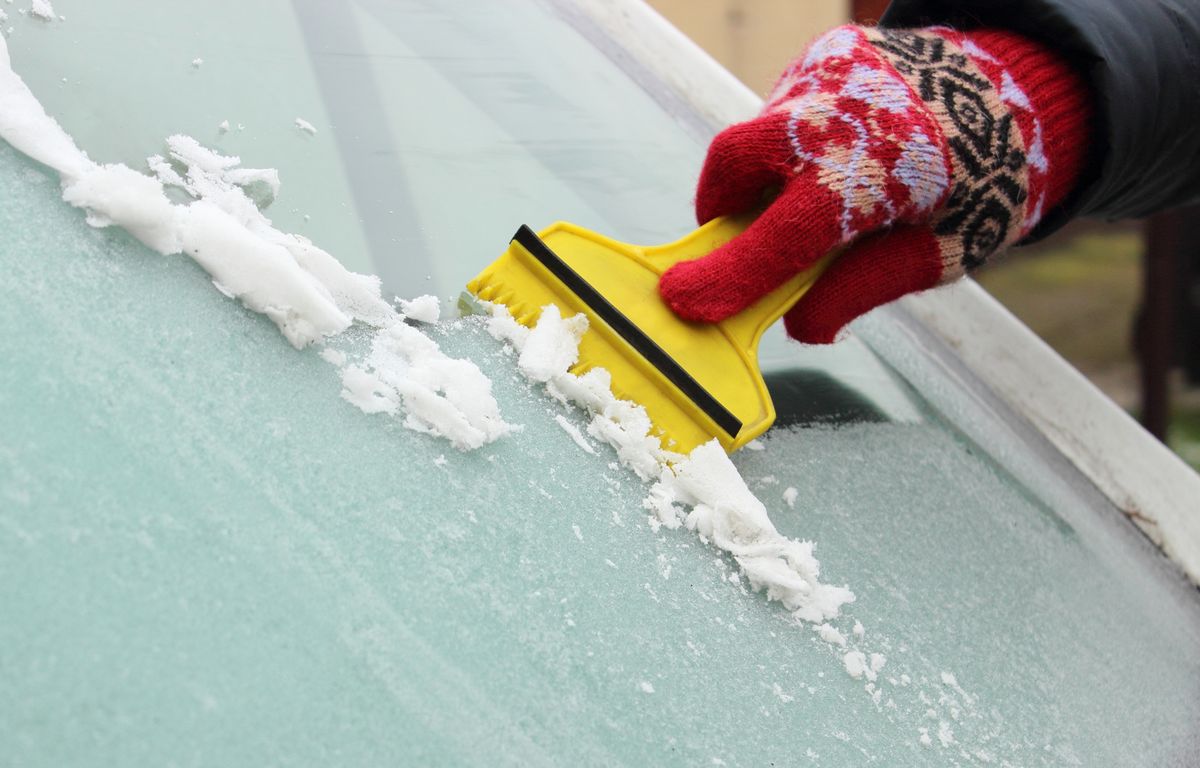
(1154,335)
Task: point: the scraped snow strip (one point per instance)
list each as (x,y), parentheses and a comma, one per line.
(702,491)
(307,292)
(724,511)
(282,276)
(262,274)
(547,351)
(831,635)
(406,371)
(334,357)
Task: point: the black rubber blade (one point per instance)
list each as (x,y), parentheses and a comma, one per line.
(625,327)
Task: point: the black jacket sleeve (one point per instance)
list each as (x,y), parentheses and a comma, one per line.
(1142,58)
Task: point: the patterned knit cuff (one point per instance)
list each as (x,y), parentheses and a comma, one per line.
(1051,102)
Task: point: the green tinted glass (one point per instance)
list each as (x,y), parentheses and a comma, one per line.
(208,557)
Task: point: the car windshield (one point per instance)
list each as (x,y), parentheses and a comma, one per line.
(209,556)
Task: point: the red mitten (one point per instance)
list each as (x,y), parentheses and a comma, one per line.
(924,150)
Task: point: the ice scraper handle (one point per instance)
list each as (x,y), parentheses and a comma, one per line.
(747,325)
(922,151)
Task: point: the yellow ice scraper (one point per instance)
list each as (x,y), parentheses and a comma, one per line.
(696,381)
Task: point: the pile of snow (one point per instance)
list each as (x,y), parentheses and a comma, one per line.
(407,373)
(425,309)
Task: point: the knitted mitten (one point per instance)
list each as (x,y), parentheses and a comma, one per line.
(925,150)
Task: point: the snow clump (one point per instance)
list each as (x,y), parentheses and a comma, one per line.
(42,9)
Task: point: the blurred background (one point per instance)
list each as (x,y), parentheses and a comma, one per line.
(1119,300)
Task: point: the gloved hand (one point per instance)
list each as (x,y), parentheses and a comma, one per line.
(925,150)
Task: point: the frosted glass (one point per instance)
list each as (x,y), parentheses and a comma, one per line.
(207,557)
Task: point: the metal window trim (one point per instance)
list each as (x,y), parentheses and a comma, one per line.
(1141,477)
